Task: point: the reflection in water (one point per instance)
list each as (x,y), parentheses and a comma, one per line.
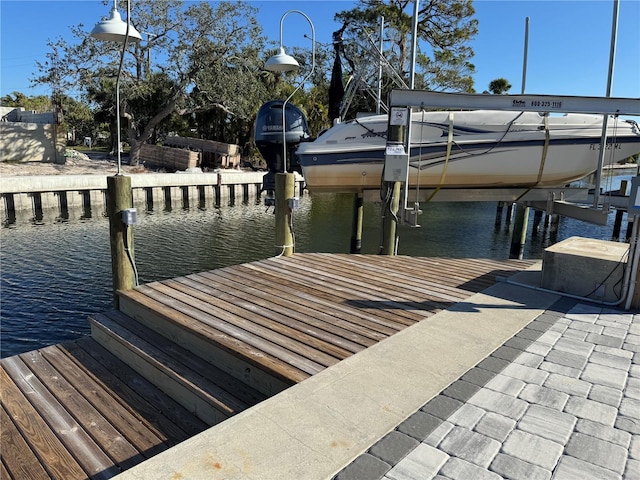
(56,273)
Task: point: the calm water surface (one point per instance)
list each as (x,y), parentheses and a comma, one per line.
(54,275)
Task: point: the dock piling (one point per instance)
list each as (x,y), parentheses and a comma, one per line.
(119,198)
(356,225)
(285,190)
(519,235)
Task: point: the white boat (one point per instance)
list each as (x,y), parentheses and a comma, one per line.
(488,148)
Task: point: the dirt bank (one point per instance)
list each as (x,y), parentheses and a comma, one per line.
(77,163)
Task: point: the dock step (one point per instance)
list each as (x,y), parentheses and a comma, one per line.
(202,388)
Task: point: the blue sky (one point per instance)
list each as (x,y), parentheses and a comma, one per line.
(569,41)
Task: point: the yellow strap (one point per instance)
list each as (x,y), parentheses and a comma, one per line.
(446,158)
(545,149)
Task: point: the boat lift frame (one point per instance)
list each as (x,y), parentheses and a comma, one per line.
(552,200)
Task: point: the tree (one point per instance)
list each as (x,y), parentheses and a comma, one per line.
(443,55)
(39,103)
(205,59)
(499,86)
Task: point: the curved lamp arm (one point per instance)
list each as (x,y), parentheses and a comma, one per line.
(313,65)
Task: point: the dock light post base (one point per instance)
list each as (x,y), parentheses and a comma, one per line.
(285,190)
(120,198)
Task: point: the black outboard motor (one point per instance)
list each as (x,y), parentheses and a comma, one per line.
(268,138)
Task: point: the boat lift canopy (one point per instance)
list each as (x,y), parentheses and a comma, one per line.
(520,103)
(402,98)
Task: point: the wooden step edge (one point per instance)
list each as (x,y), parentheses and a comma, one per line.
(184,387)
(233,387)
(257,370)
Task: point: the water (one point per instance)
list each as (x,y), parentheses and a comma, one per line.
(53,276)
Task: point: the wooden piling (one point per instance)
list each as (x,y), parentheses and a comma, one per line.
(119,198)
(356,225)
(391,207)
(537,219)
(285,190)
(519,236)
(499,209)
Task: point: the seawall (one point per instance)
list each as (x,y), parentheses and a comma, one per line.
(55,195)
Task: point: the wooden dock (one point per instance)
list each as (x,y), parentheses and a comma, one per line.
(187,353)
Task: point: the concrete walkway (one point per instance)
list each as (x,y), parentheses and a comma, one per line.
(561,400)
(512,383)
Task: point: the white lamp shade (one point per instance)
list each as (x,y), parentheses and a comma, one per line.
(115,29)
(282,62)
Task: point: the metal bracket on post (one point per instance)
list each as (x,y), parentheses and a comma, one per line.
(411,215)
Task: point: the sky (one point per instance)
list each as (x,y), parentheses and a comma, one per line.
(569,42)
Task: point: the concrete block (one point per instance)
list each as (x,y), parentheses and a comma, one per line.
(512,467)
(470,446)
(603,375)
(499,403)
(495,426)
(608,434)
(548,423)
(584,267)
(393,447)
(544,396)
(570,468)
(365,466)
(419,425)
(569,385)
(595,411)
(597,451)
(423,462)
(457,469)
(442,406)
(532,449)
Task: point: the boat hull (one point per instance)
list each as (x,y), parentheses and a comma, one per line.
(482,155)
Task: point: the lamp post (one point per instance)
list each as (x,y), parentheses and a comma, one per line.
(114,29)
(286,63)
(285,182)
(119,196)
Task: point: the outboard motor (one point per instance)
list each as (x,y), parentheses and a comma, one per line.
(268,138)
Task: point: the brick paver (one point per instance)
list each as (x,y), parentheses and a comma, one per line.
(561,400)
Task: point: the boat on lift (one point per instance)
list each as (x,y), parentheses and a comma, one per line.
(486,149)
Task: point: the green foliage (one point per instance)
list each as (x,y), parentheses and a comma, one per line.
(39,103)
(499,86)
(199,68)
(443,57)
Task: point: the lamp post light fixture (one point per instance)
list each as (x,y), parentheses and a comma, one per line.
(119,196)
(114,29)
(282,62)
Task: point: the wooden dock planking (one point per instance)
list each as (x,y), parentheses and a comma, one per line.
(76,411)
(349,317)
(257,323)
(309,295)
(344,328)
(46,414)
(66,421)
(167,419)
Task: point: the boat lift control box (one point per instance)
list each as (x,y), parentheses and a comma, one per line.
(396,164)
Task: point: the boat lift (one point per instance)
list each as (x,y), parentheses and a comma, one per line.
(560,200)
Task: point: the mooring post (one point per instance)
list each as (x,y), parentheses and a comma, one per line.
(356,224)
(285,192)
(519,236)
(499,214)
(537,219)
(509,216)
(617,224)
(391,206)
(119,198)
